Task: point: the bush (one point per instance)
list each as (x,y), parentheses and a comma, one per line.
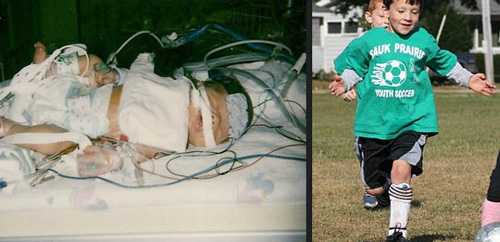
(457,35)
(322,75)
(496,65)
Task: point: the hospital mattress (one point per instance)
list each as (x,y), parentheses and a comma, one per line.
(262,202)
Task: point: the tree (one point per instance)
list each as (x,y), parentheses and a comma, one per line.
(456,35)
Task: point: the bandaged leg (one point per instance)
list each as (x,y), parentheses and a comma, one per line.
(401,196)
(98,160)
(3,128)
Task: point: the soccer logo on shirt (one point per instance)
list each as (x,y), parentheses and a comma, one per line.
(392,73)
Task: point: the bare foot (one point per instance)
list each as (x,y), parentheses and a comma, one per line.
(5,126)
(40,52)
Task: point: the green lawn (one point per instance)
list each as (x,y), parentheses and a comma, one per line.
(447,197)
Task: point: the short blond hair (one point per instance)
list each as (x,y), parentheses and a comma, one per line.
(373,4)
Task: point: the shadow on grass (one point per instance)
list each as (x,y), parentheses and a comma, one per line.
(431,237)
(416,204)
(423,238)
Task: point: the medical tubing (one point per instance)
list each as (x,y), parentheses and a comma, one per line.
(240,159)
(183,178)
(112,56)
(224,61)
(277,97)
(196,34)
(297,138)
(245,42)
(292,74)
(269,124)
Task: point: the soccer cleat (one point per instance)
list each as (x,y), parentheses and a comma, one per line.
(369,201)
(396,237)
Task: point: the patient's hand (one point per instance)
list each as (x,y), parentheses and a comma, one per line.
(98,160)
(40,53)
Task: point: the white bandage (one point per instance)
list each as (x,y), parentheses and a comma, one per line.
(238,115)
(200,100)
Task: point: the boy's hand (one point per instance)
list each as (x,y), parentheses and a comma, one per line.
(337,86)
(480,84)
(350,95)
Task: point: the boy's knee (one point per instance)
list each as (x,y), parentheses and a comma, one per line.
(401,171)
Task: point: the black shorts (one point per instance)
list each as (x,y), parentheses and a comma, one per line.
(376,156)
(494,188)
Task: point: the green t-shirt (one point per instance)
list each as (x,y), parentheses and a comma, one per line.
(395,93)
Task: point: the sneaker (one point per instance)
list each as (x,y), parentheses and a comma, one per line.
(376,202)
(396,237)
(369,201)
(383,199)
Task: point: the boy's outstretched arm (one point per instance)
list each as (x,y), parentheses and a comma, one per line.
(337,86)
(480,84)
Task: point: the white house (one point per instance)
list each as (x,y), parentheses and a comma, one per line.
(330,35)
(476,25)
(332,32)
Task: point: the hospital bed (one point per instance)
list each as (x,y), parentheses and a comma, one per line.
(261,196)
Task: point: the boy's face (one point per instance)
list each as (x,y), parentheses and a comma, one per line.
(403,17)
(378,16)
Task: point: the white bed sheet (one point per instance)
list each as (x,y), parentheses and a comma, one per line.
(258,203)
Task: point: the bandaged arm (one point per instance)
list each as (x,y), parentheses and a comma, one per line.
(352,64)
(445,63)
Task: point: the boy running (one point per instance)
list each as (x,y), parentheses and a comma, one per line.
(395,110)
(376,16)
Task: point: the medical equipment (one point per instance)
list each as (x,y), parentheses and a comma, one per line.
(200,70)
(199,99)
(112,57)
(209,68)
(41,174)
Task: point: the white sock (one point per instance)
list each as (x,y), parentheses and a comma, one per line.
(401,196)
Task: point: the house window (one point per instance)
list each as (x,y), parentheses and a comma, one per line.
(334,27)
(351,27)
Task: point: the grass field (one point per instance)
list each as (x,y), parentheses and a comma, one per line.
(447,197)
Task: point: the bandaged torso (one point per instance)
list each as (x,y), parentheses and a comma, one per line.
(153,109)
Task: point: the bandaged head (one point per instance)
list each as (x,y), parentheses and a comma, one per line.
(238,115)
(227,119)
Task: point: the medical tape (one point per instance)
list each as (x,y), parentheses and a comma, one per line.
(199,98)
(48,138)
(206,114)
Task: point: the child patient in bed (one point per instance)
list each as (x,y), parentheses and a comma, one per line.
(152,113)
